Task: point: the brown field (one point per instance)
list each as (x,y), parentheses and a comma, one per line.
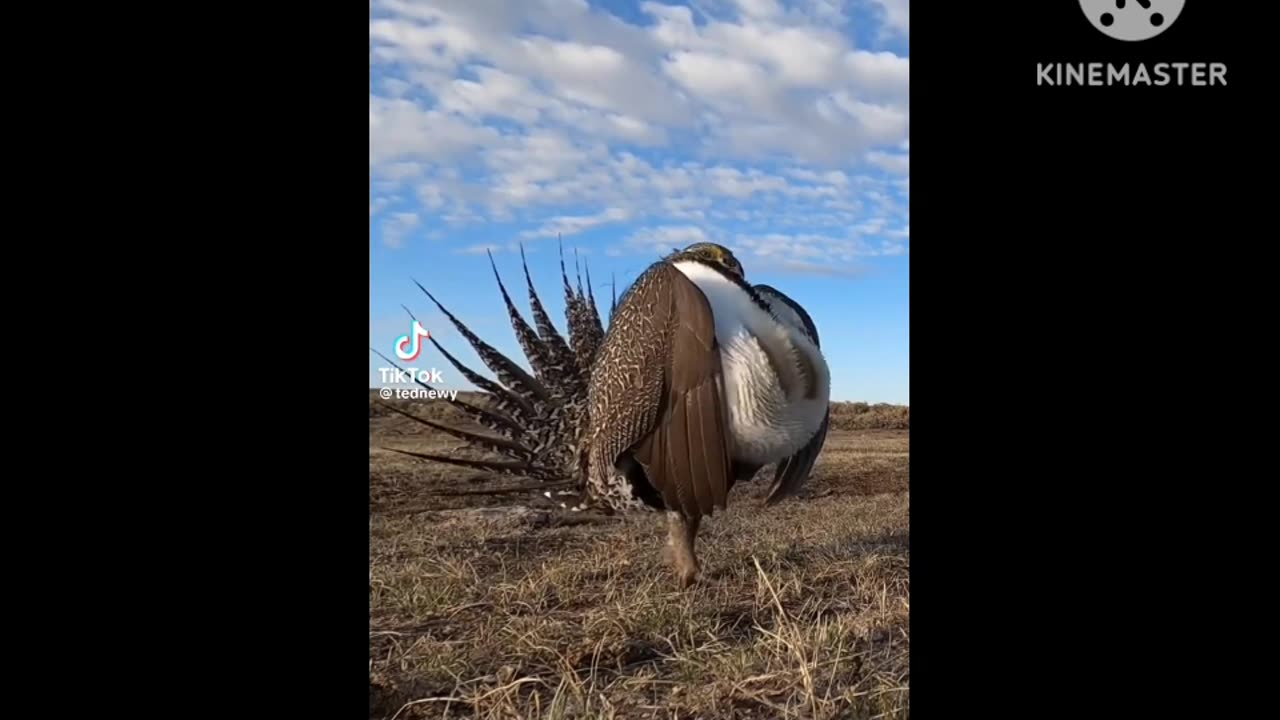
(486,606)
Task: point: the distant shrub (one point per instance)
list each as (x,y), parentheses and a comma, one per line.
(844,415)
(862,416)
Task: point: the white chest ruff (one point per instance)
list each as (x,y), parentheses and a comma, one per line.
(766,423)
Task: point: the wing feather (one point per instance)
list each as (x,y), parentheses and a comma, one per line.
(791,473)
(661,398)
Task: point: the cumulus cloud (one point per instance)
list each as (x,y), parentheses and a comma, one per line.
(479,249)
(395,230)
(565,118)
(662,240)
(573,224)
(896,14)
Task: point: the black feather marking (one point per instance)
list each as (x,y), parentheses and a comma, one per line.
(613,291)
(509,374)
(552,428)
(794,471)
(564,275)
(591,302)
(515,403)
(529,342)
(546,330)
(498,445)
(505,467)
(584,333)
(577,270)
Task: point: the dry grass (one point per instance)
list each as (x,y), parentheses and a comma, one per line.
(802,610)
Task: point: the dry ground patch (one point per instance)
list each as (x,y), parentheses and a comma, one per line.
(481,610)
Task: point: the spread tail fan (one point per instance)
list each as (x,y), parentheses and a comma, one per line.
(534,417)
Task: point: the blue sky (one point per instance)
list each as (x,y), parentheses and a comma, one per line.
(779,129)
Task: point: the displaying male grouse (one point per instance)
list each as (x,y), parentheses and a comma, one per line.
(540,422)
(700,382)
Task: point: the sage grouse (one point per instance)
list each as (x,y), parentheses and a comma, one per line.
(537,421)
(699,383)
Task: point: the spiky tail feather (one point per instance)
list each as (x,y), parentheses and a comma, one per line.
(585,331)
(538,416)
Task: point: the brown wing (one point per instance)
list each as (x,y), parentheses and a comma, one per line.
(656,393)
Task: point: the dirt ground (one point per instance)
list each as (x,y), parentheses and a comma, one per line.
(496,607)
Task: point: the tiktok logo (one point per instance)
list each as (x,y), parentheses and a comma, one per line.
(408,347)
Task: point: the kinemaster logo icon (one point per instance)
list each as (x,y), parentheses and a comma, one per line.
(1132,21)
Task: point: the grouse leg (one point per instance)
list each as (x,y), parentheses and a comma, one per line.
(681,534)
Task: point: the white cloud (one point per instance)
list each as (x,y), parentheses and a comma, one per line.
(718,80)
(479,249)
(838,252)
(799,56)
(896,13)
(738,184)
(879,74)
(573,224)
(663,240)
(896,163)
(400,130)
(397,227)
(759,8)
(563,117)
(818,268)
